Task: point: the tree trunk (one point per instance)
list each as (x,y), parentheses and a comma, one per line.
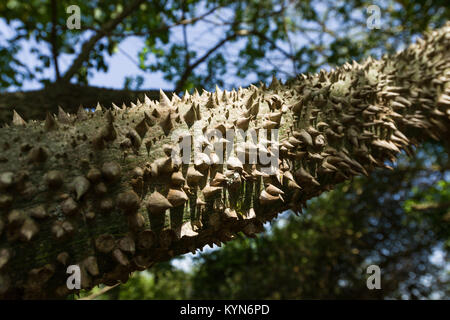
(105,189)
(35,104)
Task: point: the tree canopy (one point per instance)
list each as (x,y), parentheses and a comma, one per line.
(254,39)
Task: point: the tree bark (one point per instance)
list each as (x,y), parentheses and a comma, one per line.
(35,104)
(103,190)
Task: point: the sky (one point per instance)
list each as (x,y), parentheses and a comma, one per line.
(120,64)
(125,61)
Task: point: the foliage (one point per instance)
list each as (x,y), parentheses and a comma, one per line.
(163,281)
(255,38)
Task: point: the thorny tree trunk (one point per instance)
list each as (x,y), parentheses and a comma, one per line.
(36,103)
(100,189)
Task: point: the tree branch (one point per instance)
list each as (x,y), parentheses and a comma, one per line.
(99,293)
(182,22)
(54,38)
(90,44)
(187,72)
(267,39)
(185,38)
(102,190)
